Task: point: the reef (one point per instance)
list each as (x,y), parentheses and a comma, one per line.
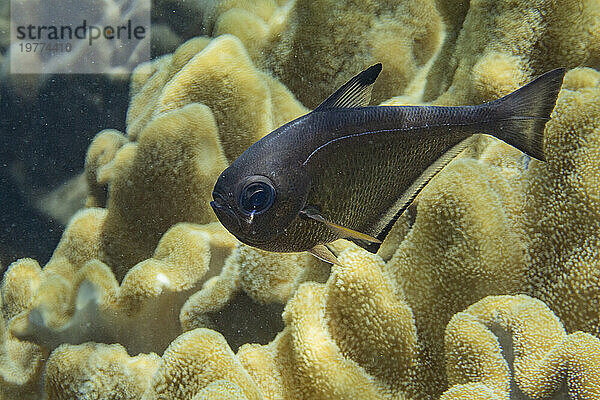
(404,36)
(515,347)
(486,288)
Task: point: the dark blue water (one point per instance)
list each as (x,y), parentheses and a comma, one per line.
(43,141)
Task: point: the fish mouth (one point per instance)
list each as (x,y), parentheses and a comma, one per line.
(232,222)
(218,200)
(223,210)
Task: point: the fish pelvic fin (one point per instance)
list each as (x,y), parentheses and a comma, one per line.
(342,231)
(522,114)
(324,254)
(354,93)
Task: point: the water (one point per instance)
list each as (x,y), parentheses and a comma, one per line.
(492,272)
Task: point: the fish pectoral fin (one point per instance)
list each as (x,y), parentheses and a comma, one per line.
(354,93)
(324,254)
(341,231)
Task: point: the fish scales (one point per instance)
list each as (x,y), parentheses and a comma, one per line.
(347,170)
(374,167)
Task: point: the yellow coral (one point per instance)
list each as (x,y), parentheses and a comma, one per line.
(221,390)
(273,278)
(148,79)
(497,74)
(463,236)
(507,345)
(97,371)
(500,227)
(223,78)
(491,223)
(503,228)
(20,362)
(254,281)
(179,149)
(89,304)
(252,30)
(79,243)
(356,302)
(192,362)
(100,154)
(115,268)
(19,284)
(220,75)
(563,207)
(183,144)
(403,36)
(216,293)
(349,338)
(494,46)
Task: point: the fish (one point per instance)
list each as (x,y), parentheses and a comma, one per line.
(349,170)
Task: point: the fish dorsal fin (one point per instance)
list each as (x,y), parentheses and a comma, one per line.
(354,93)
(342,231)
(323,253)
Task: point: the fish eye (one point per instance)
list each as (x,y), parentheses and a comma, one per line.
(257,196)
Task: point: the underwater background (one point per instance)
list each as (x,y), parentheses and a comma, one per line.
(118,283)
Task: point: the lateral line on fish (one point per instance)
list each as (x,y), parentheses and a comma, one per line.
(522,117)
(383,131)
(244,194)
(412,128)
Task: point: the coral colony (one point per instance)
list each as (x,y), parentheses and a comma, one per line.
(501,256)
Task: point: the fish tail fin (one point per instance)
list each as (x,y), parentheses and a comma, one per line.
(522,114)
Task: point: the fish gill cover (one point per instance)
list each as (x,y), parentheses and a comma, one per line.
(488,292)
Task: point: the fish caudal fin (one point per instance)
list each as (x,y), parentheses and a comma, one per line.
(523,113)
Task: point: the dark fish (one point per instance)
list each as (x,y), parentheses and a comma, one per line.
(346,170)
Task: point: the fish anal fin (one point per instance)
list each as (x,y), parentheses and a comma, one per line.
(354,93)
(342,231)
(324,254)
(409,195)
